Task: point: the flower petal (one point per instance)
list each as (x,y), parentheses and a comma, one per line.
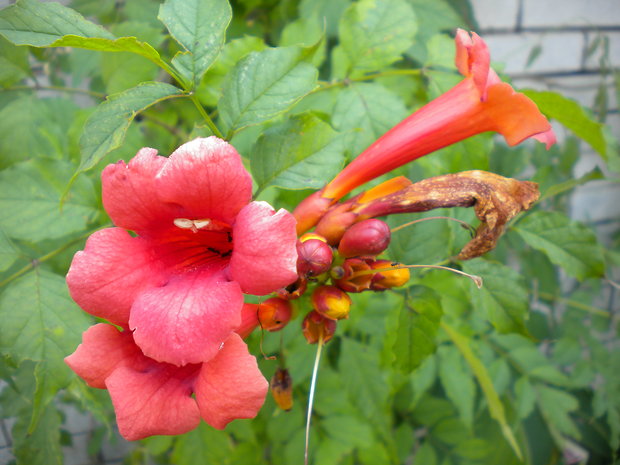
(105,278)
(264,256)
(207,178)
(186,320)
(473,59)
(156,400)
(103,349)
(230,386)
(130,193)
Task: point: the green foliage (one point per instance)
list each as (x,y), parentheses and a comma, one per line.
(524,370)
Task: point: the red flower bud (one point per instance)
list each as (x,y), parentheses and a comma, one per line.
(353,275)
(331,302)
(274,314)
(390,278)
(367,238)
(315,325)
(293,291)
(313,257)
(281,387)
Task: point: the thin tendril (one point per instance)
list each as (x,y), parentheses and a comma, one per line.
(311,396)
(476,279)
(465,225)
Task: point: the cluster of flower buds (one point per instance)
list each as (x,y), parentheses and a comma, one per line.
(346,264)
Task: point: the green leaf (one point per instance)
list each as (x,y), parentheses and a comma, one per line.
(496,408)
(105,129)
(302,152)
(212,446)
(570,184)
(366,111)
(365,382)
(567,243)
(30,201)
(556,406)
(502,298)
(13,63)
(29,22)
(8,252)
(200,27)
(457,383)
(265,84)
(572,116)
(46,436)
(417,329)
(525,397)
(348,430)
(35,127)
(41,323)
(373,35)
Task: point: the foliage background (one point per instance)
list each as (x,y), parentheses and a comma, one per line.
(437,373)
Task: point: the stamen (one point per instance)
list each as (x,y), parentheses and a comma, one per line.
(185,223)
(464,224)
(476,279)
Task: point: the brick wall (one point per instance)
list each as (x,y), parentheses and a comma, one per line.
(559,45)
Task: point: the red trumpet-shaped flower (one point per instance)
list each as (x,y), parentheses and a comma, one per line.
(479,103)
(199,244)
(151,397)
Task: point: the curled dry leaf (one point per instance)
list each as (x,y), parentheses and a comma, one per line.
(495,199)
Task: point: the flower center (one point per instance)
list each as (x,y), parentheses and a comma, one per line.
(194,243)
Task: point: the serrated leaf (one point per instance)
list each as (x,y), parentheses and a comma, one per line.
(302,152)
(568,244)
(30,201)
(265,84)
(525,397)
(348,430)
(374,34)
(457,383)
(502,298)
(572,116)
(105,129)
(365,382)
(570,184)
(211,445)
(496,408)
(366,111)
(556,406)
(417,328)
(40,446)
(29,22)
(13,63)
(200,27)
(8,251)
(41,323)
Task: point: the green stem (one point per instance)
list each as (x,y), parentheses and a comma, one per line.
(71,90)
(205,115)
(37,261)
(574,304)
(315,370)
(345,82)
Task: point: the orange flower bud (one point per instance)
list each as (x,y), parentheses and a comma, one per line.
(274,314)
(315,325)
(281,387)
(331,302)
(314,257)
(367,238)
(390,278)
(354,275)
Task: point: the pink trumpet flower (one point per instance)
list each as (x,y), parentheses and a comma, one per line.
(199,244)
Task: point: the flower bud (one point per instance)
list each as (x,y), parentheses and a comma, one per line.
(331,302)
(367,238)
(315,325)
(313,257)
(249,320)
(274,314)
(293,291)
(281,387)
(353,275)
(390,278)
